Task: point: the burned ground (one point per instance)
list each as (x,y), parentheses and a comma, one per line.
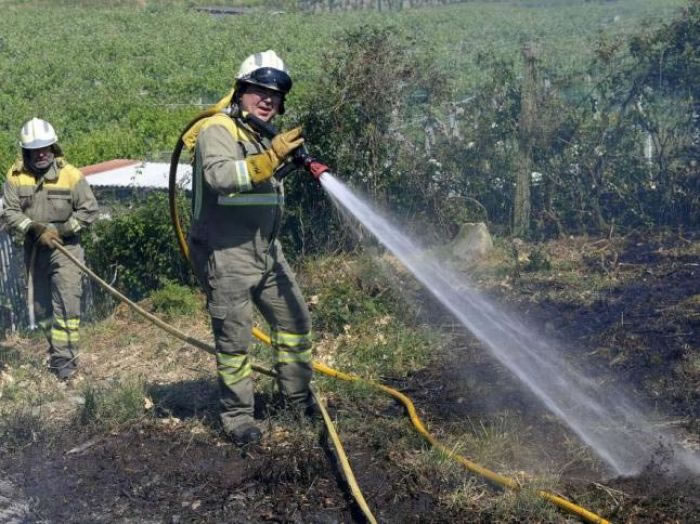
(632,311)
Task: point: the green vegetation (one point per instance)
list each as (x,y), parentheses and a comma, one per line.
(108,407)
(420,109)
(137,247)
(174,300)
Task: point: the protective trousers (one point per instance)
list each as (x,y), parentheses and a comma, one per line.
(57,287)
(236,278)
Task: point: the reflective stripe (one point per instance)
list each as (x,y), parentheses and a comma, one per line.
(293,357)
(24,225)
(197,185)
(70,323)
(74,225)
(58,335)
(290,339)
(250,199)
(231,378)
(243,182)
(230,361)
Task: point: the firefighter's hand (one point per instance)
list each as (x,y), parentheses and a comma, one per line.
(263,165)
(285,143)
(49,236)
(36,229)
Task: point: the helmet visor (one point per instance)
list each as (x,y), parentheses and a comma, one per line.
(271,78)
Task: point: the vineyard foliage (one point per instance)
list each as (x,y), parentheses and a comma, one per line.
(418,108)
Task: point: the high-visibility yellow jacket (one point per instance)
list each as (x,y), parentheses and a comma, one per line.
(61,198)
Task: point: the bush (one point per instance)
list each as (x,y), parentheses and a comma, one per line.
(376,80)
(139,245)
(174,300)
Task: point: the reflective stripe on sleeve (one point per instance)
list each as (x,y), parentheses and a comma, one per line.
(73,225)
(243,182)
(24,225)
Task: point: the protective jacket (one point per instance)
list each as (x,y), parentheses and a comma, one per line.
(236,255)
(227,208)
(61,198)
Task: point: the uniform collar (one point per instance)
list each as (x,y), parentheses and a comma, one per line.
(52,174)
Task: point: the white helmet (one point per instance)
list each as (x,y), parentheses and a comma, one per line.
(265,69)
(37,133)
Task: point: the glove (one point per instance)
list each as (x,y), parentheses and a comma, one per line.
(36,229)
(49,236)
(46,236)
(263,165)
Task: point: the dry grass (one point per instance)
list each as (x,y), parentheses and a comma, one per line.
(132,371)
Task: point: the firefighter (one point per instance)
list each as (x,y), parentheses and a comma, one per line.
(47,201)
(237,214)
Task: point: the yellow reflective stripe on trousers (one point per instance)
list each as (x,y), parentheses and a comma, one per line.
(285,356)
(59,335)
(250,199)
(72,323)
(281,338)
(233,368)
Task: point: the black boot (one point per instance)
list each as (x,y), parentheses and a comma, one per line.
(246,433)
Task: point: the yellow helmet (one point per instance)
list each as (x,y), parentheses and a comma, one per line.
(37,133)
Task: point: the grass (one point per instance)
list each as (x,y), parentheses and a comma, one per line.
(135,375)
(107,407)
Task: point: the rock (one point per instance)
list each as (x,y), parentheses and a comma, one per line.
(472,241)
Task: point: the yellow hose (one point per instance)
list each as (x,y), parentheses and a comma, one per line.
(322,368)
(471,466)
(349,477)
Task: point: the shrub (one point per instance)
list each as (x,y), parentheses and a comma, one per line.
(175,300)
(139,245)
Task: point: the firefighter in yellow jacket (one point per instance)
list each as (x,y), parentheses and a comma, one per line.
(47,201)
(237,214)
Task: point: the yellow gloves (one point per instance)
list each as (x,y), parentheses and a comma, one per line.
(263,165)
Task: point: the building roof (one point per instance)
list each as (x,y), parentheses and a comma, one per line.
(134,173)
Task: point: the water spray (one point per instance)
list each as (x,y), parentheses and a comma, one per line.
(609,422)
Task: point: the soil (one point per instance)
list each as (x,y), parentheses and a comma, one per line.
(166,471)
